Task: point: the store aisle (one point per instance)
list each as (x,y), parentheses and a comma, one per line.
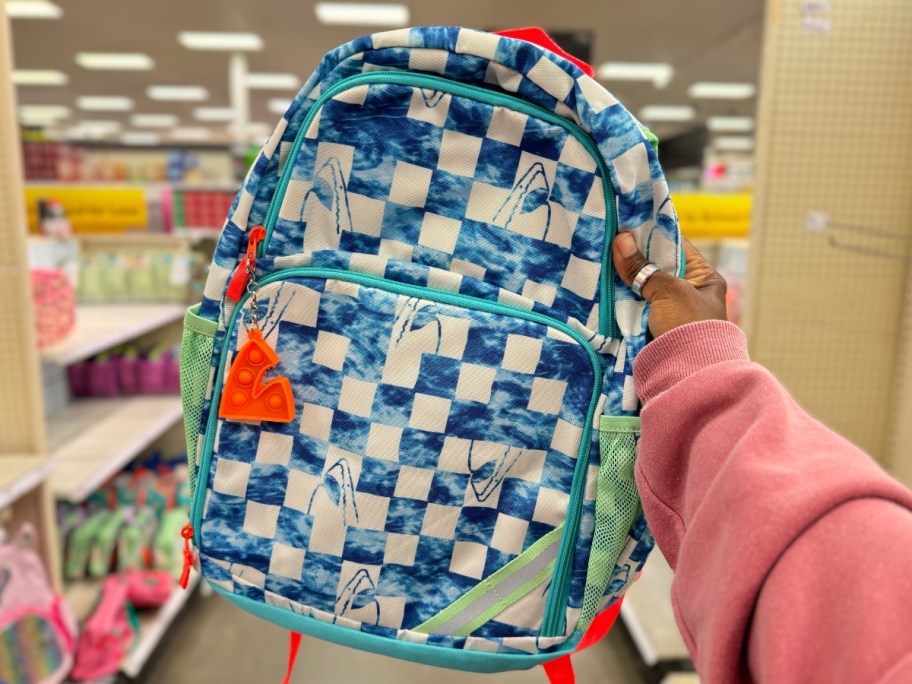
(215,642)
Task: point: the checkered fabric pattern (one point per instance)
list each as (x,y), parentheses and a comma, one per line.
(432,444)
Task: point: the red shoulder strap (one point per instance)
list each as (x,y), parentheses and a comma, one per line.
(537,36)
(560,670)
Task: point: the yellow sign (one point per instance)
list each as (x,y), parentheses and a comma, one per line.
(92,210)
(713,216)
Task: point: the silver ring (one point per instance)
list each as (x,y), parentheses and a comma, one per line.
(645,274)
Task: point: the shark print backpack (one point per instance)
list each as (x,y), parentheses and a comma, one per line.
(411,420)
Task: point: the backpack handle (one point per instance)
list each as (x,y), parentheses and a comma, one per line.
(538,36)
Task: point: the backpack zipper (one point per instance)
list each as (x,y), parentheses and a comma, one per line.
(607,324)
(555,608)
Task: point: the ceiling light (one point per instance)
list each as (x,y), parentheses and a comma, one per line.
(213,114)
(658,74)
(361,14)
(730,124)
(32,9)
(38,115)
(211,40)
(273,81)
(190,134)
(733,143)
(177,93)
(39,77)
(667,113)
(102,126)
(722,91)
(153,120)
(115,61)
(104,103)
(279,105)
(140,138)
(259,129)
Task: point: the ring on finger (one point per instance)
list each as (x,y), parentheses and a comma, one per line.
(640,279)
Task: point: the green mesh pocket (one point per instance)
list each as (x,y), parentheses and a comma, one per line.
(195,367)
(617,505)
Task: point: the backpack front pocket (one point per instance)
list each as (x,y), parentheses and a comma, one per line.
(437,440)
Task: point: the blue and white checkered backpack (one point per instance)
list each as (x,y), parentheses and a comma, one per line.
(409,405)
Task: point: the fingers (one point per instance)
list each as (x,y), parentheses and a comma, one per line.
(629,261)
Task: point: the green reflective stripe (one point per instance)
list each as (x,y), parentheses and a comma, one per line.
(607,324)
(202,326)
(486,600)
(620,424)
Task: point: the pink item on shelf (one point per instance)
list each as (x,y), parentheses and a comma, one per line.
(107,634)
(102,377)
(55,305)
(152,375)
(172,373)
(148,588)
(36,629)
(128,374)
(78,376)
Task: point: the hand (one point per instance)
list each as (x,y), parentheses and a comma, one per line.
(699,296)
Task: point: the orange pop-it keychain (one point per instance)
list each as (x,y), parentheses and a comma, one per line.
(245,396)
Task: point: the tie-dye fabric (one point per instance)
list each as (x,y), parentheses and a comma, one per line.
(436,281)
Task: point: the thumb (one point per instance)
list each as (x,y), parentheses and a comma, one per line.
(628,261)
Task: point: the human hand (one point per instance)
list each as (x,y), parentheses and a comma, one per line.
(699,296)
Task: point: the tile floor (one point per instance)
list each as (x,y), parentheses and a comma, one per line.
(215,642)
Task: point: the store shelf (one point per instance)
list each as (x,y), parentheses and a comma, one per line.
(649,617)
(681,678)
(103,326)
(82,596)
(93,439)
(21,474)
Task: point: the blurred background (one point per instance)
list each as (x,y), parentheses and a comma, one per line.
(126,127)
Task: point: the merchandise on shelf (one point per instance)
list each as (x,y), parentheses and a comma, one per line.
(202,208)
(137,274)
(54,303)
(126,371)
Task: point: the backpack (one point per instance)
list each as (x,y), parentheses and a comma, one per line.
(411,419)
(36,628)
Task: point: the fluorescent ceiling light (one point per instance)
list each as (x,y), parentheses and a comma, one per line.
(733,143)
(104,103)
(213,114)
(211,40)
(177,93)
(361,14)
(153,120)
(273,81)
(99,125)
(667,113)
(722,91)
(115,61)
(38,115)
(32,9)
(730,124)
(278,105)
(189,134)
(39,77)
(140,138)
(658,74)
(259,129)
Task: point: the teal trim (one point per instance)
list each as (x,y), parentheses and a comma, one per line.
(557,599)
(682,269)
(426,654)
(607,324)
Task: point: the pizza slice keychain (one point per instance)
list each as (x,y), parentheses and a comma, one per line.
(245,395)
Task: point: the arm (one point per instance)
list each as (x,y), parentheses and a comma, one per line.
(792,550)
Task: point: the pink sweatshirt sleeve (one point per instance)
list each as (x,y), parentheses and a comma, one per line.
(792,549)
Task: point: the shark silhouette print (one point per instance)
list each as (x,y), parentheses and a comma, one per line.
(325,205)
(358,599)
(431,97)
(489,464)
(338,500)
(527,209)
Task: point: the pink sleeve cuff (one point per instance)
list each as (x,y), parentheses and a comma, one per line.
(681,352)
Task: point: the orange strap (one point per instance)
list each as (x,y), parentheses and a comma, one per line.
(560,670)
(294,643)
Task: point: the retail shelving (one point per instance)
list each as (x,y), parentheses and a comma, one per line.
(93,439)
(21,474)
(648,615)
(102,326)
(81,597)
(681,678)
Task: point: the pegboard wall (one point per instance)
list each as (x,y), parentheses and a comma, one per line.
(831,238)
(21,412)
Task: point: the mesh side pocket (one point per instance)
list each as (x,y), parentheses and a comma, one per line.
(195,359)
(617,505)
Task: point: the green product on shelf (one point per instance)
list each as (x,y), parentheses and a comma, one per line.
(105,543)
(79,545)
(134,548)
(168,552)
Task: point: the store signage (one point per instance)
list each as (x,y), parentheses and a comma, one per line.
(713,215)
(92,210)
